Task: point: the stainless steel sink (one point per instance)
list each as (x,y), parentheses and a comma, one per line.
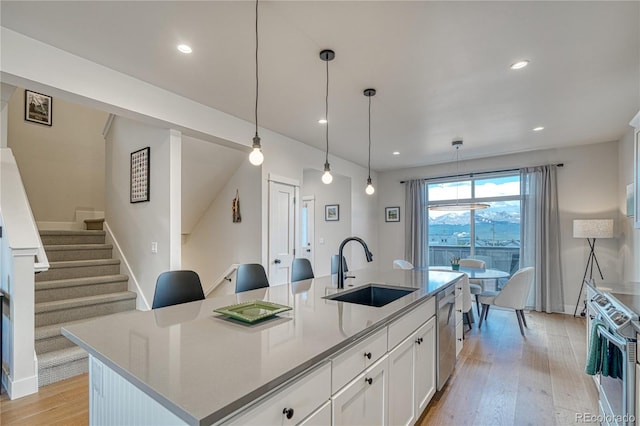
(372,295)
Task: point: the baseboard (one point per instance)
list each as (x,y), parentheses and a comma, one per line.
(19,388)
(141,302)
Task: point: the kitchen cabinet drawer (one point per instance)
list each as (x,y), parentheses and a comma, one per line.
(354,360)
(403,327)
(302,398)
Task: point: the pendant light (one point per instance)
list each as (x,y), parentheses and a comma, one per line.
(327,55)
(369,189)
(256,157)
(458,206)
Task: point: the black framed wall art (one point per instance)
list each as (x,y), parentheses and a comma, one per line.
(38,108)
(140,173)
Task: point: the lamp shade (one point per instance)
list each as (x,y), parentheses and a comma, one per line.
(593,228)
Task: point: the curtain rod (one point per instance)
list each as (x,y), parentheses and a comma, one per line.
(481,173)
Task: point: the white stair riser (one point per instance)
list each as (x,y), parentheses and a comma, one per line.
(50,295)
(82,312)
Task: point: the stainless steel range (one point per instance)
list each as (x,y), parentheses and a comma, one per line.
(616,394)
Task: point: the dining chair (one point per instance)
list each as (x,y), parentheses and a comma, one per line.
(513,295)
(175,287)
(301,269)
(250,276)
(402,264)
(476,286)
(334,264)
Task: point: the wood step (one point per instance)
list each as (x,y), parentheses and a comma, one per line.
(79,269)
(72,237)
(67,252)
(48,291)
(47,313)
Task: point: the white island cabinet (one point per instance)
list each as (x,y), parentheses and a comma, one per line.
(324,362)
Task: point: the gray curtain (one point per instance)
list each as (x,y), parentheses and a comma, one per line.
(416,228)
(540,236)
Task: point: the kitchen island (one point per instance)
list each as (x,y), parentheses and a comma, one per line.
(203,368)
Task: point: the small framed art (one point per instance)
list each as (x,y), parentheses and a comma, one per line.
(392,214)
(332,212)
(38,108)
(140,173)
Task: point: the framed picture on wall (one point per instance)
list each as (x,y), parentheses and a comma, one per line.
(140,173)
(332,212)
(38,108)
(392,214)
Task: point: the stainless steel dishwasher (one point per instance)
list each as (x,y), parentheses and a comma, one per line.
(446,346)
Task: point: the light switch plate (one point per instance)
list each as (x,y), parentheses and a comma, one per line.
(154,247)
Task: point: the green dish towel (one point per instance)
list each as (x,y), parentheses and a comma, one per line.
(597,361)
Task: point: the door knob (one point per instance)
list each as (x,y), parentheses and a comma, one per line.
(277,261)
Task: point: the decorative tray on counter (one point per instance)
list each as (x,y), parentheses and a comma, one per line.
(253,311)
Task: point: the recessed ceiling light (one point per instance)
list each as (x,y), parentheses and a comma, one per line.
(537,129)
(322,121)
(520,64)
(396,152)
(184,48)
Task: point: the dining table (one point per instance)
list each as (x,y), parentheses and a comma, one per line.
(477,273)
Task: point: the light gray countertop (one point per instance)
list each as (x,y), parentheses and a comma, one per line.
(203,366)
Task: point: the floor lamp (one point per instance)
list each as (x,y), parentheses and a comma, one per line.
(591,229)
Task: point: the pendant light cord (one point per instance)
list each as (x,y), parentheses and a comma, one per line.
(326,114)
(257,81)
(369,138)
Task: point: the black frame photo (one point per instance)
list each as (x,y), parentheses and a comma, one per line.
(140,174)
(38,108)
(392,214)
(332,212)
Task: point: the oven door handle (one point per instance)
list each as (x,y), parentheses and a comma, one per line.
(619,342)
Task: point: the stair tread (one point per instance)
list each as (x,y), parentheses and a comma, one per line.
(72,232)
(64,247)
(53,330)
(61,356)
(83,301)
(82,263)
(72,282)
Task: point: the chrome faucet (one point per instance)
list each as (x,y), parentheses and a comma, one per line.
(367,253)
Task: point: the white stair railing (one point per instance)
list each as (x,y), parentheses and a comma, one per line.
(21,256)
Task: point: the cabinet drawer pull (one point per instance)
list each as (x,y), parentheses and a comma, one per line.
(368,380)
(367,355)
(288,412)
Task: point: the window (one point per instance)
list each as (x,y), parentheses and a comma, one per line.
(491,234)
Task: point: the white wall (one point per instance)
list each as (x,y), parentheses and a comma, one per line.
(629,250)
(215,243)
(587,188)
(331,233)
(136,226)
(62,165)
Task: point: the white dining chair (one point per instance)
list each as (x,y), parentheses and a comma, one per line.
(513,295)
(402,264)
(476,286)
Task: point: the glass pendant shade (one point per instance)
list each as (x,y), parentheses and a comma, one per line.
(256,157)
(326,177)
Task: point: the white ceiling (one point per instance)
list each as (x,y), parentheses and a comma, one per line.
(441,69)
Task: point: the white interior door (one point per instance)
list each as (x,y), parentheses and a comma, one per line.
(281,231)
(307,223)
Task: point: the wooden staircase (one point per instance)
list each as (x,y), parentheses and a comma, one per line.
(83,281)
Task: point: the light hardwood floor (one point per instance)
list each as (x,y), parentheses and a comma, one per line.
(500,379)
